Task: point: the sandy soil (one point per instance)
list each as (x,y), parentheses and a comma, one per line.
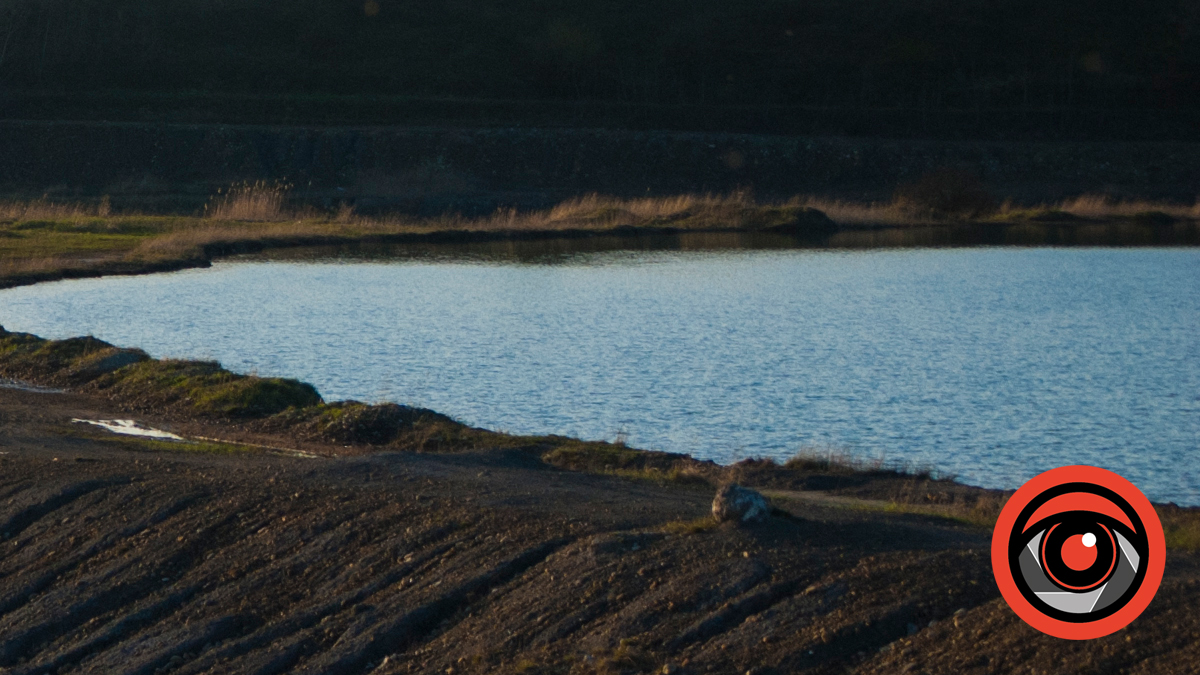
(118,558)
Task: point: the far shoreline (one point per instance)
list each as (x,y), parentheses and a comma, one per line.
(42,241)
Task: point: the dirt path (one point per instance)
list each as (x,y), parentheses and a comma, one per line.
(119,558)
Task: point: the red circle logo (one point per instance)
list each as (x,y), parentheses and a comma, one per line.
(1078,552)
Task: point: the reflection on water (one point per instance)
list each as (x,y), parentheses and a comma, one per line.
(991,363)
(573,250)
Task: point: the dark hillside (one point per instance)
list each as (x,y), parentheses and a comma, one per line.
(1016,68)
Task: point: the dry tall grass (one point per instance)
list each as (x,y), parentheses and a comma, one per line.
(258,213)
(1103,206)
(595,211)
(1089,207)
(259,201)
(860,214)
(44,209)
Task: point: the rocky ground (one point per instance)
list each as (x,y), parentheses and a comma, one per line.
(122,556)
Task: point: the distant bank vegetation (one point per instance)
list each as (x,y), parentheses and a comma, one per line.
(869,66)
(43,240)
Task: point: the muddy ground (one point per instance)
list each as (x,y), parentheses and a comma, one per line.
(120,557)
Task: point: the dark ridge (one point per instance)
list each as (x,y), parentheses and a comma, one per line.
(874,67)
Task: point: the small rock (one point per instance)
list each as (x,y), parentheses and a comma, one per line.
(740,504)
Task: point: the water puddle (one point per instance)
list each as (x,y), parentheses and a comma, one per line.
(131,428)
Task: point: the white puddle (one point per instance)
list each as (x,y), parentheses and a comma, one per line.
(25,386)
(131,428)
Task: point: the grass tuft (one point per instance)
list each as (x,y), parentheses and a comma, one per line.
(206,388)
(250,202)
(354,423)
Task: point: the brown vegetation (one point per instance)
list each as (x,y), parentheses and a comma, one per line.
(42,240)
(250,202)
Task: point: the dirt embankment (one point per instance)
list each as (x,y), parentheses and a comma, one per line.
(122,555)
(121,559)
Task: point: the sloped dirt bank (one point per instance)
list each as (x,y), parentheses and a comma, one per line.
(130,556)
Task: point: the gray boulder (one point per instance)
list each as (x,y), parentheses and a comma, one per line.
(743,505)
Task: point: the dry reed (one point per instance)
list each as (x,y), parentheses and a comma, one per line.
(258,213)
(1102,206)
(42,209)
(250,202)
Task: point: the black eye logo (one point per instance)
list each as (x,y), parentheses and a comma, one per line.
(1079,552)
(1078,558)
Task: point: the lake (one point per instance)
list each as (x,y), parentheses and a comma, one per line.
(992,364)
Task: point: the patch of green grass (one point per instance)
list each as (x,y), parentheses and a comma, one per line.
(980,514)
(61,362)
(660,477)
(109,226)
(204,387)
(1181,527)
(50,242)
(1185,537)
(686,527)
(354,423)
(15,345)
(526,667)
(617,459)
(207,447)
(596,457)
(207,388)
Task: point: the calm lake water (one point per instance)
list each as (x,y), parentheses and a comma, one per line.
(990,363)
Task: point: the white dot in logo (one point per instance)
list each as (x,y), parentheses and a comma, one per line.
(1089,540)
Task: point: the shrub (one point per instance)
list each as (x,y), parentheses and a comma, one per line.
(946,193)
(258,201)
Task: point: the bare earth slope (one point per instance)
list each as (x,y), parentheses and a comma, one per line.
(118,559)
